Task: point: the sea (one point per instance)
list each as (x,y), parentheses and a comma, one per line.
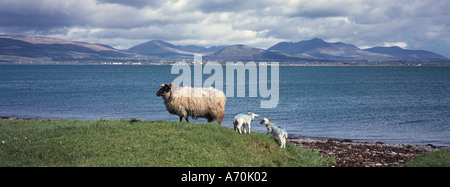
(389,104)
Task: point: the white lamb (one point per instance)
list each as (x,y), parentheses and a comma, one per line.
(243,119)
(277,132)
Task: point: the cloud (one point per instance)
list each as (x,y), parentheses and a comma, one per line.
(260,23)
(398,44)
(135,3)
(41,15)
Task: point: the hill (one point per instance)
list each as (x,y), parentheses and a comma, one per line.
(241,52)
(404,54)
(164,49)
(142,143)
(55,49)
(157,48)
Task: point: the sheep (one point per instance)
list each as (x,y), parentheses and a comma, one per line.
(276,131)
(186,101)
(243,119)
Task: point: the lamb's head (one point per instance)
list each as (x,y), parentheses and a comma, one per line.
(166,89)
(265,121)
(252,115)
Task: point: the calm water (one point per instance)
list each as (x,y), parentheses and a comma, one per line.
(389,104)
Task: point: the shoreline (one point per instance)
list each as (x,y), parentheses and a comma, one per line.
(350,153)
(338,64)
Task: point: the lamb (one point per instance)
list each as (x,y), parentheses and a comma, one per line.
(276,131)
(186,101)
(243,119)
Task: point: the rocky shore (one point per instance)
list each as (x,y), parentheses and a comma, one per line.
(362,154)
(14,118)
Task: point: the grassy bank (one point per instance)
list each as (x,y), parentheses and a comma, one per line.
(439,158)
(141,143)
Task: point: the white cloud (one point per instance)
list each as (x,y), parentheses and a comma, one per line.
(398,44)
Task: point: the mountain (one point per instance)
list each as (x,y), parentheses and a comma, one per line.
(55,49)
(200,49)
(317,48)
(320,49)
(157,48)
(405,54)
(164,49)
(241,52)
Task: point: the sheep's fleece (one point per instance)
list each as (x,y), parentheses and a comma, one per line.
(186,101)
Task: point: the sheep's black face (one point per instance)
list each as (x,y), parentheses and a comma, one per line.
(165,88)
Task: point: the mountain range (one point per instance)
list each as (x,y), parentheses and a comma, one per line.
(55,49)
(19,48)
(318,48)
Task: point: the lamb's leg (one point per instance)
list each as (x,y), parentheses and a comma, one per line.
(249,127)
(244,126)
(275,138)
(186,119)
(282,141)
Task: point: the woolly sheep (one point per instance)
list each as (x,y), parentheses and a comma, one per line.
(243,119)
(185,101)
(277,132)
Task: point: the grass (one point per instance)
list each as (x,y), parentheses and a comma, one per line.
(440,158)
(142,143)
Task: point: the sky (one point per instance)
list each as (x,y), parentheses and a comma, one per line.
(410,24)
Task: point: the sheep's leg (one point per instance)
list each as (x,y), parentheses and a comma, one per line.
(181,119)
(219,119)
(249,127)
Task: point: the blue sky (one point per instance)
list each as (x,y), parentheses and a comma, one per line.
(411,24)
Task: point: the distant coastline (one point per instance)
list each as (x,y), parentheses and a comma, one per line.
(315,52)
(445,63)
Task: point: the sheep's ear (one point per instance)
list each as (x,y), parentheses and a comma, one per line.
(249,113)
(162,85)
(256,115)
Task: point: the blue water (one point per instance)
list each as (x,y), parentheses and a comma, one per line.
(388,104)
